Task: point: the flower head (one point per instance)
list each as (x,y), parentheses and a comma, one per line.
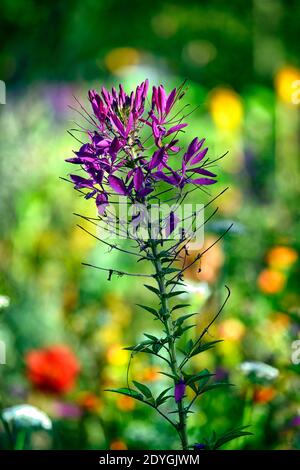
(116,160)
(259,370)
(53,369)
(27,416)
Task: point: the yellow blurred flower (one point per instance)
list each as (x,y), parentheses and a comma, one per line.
(282,257)
(125,403)
(107,335)
(122,57)
(232,329)
(80,242)
(271,281)
(285,83)
(117,356)
(118,445)
(119,307)
(226,109)
(231,201)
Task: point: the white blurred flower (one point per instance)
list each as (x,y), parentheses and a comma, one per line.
(201,288)
(27,416)
(4,301)
(259,369)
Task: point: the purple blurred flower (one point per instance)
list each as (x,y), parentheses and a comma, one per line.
(221,374)
(295,422)
(67,410)
(179,390)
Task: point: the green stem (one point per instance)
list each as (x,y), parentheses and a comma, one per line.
(167,321)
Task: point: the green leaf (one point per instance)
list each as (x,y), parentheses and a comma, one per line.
(189,347)
(143,388)
(148,309)
(167,260)
(153,289)
(230,435)
(173,294)
(180,330)
(171,376)
(162,398)
(182,319)
(181,306)
(170,270)
(164,253)
(153,338)
(138,347)
(204,347)
(204,374)
(175,283)
(128,392)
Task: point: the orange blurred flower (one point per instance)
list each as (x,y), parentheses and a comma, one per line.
(89,401)
(282,257)
(118,445)
(214,259)
(271,281)
(264,394)
(150,374)
(53,369)
(125,403)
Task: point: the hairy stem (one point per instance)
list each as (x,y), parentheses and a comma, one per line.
(167,321)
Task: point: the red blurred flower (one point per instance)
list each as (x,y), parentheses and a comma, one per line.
(52,369)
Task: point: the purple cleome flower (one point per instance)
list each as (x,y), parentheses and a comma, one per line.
(115,160)
(179,390)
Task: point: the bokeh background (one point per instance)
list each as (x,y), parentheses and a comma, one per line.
(241,60)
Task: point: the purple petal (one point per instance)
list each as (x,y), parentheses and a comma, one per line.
(91,194)
(204,181)
(138,178)
(129,125)
(199,156)
(202,171)
(80,161)
(158,157)
(172,222)
(176,128)
(117,185)
(145,191)
(81,182)
(162,99)
(86,150)
(170,100)
(101,202)
(179,390)
(116,121)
